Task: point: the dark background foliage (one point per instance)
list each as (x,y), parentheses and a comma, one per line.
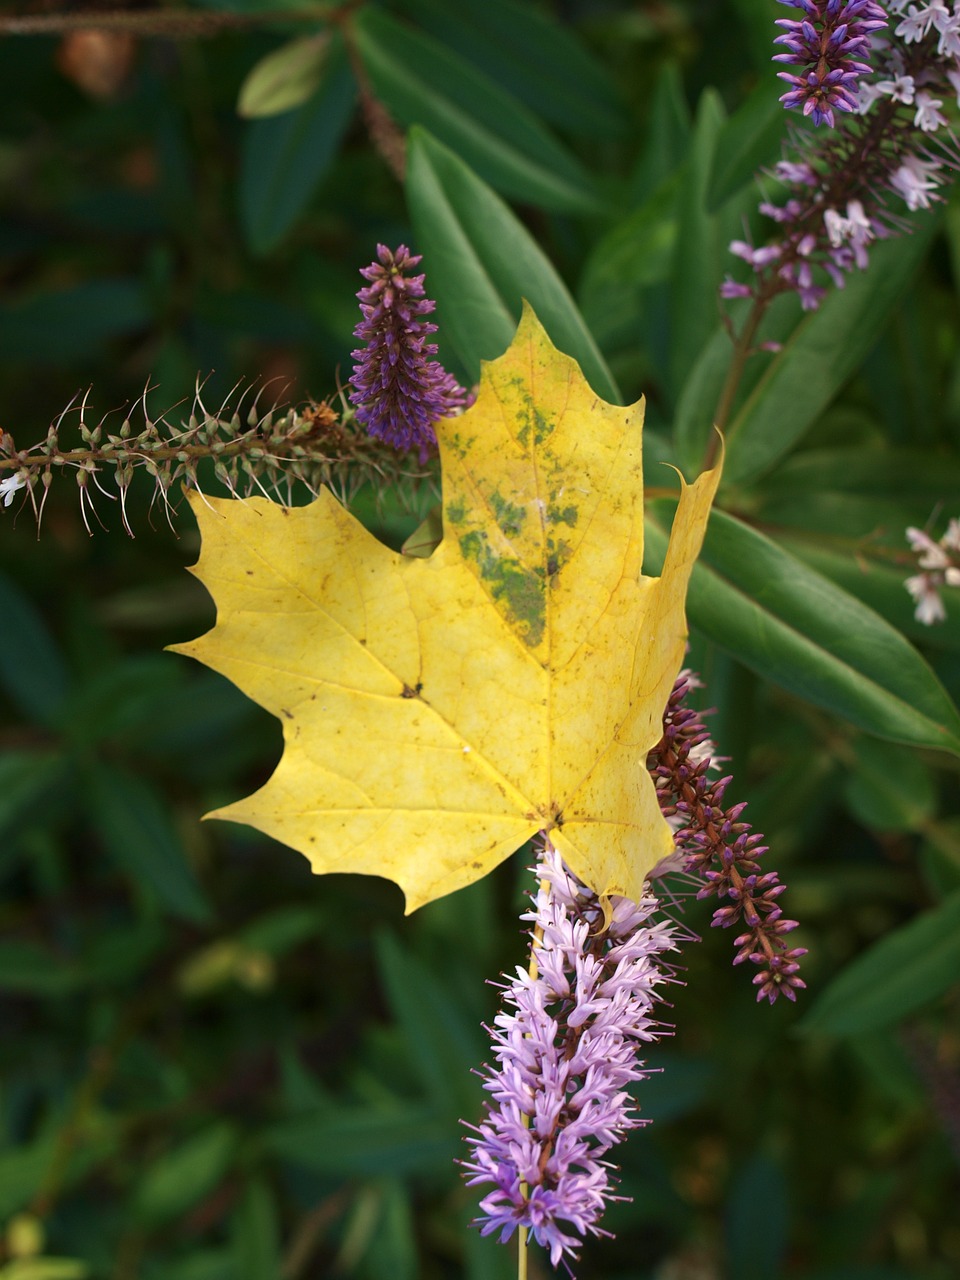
(216,1067)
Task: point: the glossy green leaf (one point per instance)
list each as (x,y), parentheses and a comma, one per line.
(483,262)
(901,973)
(179,1179)
(528,53)
(137,831)
(824,350)
(367,1142)
(32,671)
(285,78)
(695,272)
(888,787)
(880,586)
(423,83)
(284,157)
(796,628)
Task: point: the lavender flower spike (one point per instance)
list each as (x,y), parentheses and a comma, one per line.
(399,392)
(567,1047)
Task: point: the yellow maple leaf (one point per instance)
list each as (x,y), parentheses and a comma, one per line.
(439,712)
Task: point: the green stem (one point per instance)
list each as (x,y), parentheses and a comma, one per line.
(742,350)
(522,1253)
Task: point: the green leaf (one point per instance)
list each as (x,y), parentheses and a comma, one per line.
(121,697)
(137,830)
(284,157)
(695,271)
(62,326)
(889,788)
(32,672)
(667,136)
(443,1043)
(528,53)
(182,1176)
(29,969)
(637,253)
(898,975)
(483,262)
(824,350)
(423,83)
(796,628)
(255,1234)
(756,1221)
(751,138)
(880,587)
(26,779)
(45,1269)
(367,1142)
(285,78)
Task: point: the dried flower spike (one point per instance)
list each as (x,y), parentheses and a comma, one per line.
(398,390)
(567,1045)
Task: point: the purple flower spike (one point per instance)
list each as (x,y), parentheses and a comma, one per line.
(717,847)
(399,392)
(567,1046)
(830,47)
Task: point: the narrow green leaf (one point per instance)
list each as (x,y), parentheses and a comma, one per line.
(29,969)
(796,628)
(889,788)
(824,350)
(284,157)
(443,1044)
(255,1235)
(751,138)
(137,830)
(896,976)
(26,779)
(527,52)
(180,1178)
(32,672)
(484,262)
(695,273)
(880,587)
(667,136)
(285,78)
(45,1269)
(59,326)
(367,1142)
(423,83)
(756,1221)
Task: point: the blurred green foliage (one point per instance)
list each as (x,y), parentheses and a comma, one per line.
(215,1067)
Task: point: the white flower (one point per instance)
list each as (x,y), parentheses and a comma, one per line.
(932,554)
(929,605)
(9,486)
(929,117)
(916,24)
(914,181)
(900,90)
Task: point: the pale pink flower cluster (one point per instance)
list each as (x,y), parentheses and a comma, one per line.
(940,567)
